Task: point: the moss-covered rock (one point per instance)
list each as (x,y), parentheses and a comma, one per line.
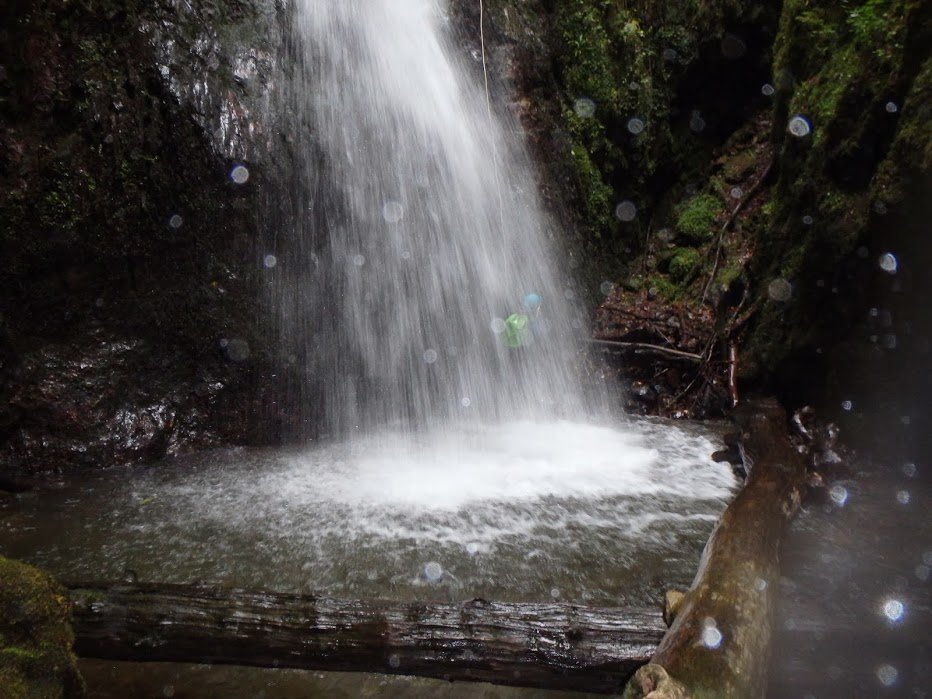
(853,82)
(696,217)
(684,265)
(36,658)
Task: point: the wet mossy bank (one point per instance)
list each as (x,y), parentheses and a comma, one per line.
(36,658)
(667,137)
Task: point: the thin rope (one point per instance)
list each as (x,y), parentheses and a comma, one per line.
(488,106)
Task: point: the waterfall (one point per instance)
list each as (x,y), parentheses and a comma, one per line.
(427,288)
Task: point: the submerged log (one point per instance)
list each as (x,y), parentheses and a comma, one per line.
(719,642)
(558,646)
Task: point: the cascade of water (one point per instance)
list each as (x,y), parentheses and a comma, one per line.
(423,234)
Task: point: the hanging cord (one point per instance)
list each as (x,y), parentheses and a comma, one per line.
(488,106)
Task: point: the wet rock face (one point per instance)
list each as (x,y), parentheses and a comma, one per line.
(135,162)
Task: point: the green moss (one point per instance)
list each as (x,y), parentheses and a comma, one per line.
(696,217)
(839,64)
(36,661)
(728,274)
(597,196)
(662,287)
(739,166)
(684,265)
(588,69)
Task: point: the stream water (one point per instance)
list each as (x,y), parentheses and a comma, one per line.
(519,512)
(523,511)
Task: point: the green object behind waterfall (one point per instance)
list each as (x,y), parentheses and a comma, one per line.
(517,330)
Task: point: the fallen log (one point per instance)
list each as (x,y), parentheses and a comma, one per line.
(557,646)
(719,642)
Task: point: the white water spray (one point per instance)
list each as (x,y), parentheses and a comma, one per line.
(424,233)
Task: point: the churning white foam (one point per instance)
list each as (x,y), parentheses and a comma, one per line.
(513,462)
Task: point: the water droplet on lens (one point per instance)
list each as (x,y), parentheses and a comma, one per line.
(799,126)
(847,405)
(393,211)
(733,47)
(838,494)
(922,573)
(498,325)
(606,288)
(168,691)
(584,107)
(887,674)
(780,290)
(807,220)
(666,235)
(175,221)
(635,125)
(359,260)
(433,571)
(880,207)
(466,401)
(394,661)
(237,350)
(626,211)
(696,122)
(767,90)
(669,54)
(239,174)
(888,263)
(893,609)
(891,107)
(902,497)
(711,636)
(270,261)
(430,356)
(736,192)
(472,548)
(909,469)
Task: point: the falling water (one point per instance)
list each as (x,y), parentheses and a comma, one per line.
(422,233)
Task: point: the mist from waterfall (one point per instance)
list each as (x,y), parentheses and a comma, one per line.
(421,233)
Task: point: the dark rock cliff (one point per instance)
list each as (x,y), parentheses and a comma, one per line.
(129,316)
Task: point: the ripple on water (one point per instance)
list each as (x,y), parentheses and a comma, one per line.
(514,510)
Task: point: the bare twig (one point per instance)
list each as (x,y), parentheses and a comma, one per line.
(645,347)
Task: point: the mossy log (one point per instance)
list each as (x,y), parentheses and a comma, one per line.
(719,642)
(557,646)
